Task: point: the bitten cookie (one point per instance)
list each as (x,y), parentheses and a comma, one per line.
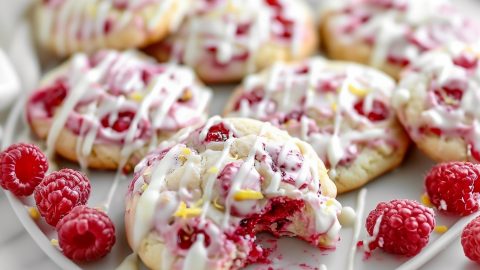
(106,110)
(343,110)
(438,103)
(69,26)
(390,34)
(197,203)
(224,40)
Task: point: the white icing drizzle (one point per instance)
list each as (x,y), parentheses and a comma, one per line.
(431,23)
(158,98)
(197,255)
(76,25)
(447,95)
(373,237)
(362,194)
(290,92)
(216,24)
(160,199)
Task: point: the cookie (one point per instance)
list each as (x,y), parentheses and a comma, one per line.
(343,110)
(197,203)
(69,26)
(437,102)
(106,110)
(224,40)
(390,34)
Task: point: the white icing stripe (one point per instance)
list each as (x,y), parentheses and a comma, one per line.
(74,96)
(87,19)
(362,194)
(328,119)
(218,23)
(373,237)
(197,256)
(148,201)
(440,244)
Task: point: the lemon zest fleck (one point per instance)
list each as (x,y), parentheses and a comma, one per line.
(440,229)
(33,212)
(185,212)
(247,194)
(357,91)
(426,200)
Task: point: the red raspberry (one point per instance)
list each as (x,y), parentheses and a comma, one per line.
(471,240)
(22,168)
(86,234)
(453,187)
(59,192)
(379,111)
(404,228)
(217,133)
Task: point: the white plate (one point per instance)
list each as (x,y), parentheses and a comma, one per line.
(405,182)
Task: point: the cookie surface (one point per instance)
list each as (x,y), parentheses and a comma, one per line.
(197,203)
(437,102)
(225,40)
(343,110)
(69,26)
(390,34)
(106,110)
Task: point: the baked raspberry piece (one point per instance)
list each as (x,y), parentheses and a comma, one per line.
(22,168)
(59,192)
(217,133)
(86,234)
(378,112)
(399,227)
(471,240)
(453,187)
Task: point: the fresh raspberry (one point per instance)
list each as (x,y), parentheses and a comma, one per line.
(453,187)
(22,168)
(217,133)
(86,234)
(471,240)
(59,192)
(404,228)
(378,112)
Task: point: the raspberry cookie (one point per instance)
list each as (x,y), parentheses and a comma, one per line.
(224,40)
(69,26)
(342,109)
(198,203)
(106,110)
(438,103)
(389,34)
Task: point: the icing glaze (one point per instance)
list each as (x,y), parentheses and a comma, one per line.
(362,194)
(400,30)
(204,195)
(227,34)
(86,25)
(338,108)
(114,98)
(444,86)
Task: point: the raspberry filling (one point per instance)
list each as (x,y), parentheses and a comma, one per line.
(467,61)
(450,95)
(275,220)
(217,133)
(50,97)
(186,237)
(252,97)
(378,112)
